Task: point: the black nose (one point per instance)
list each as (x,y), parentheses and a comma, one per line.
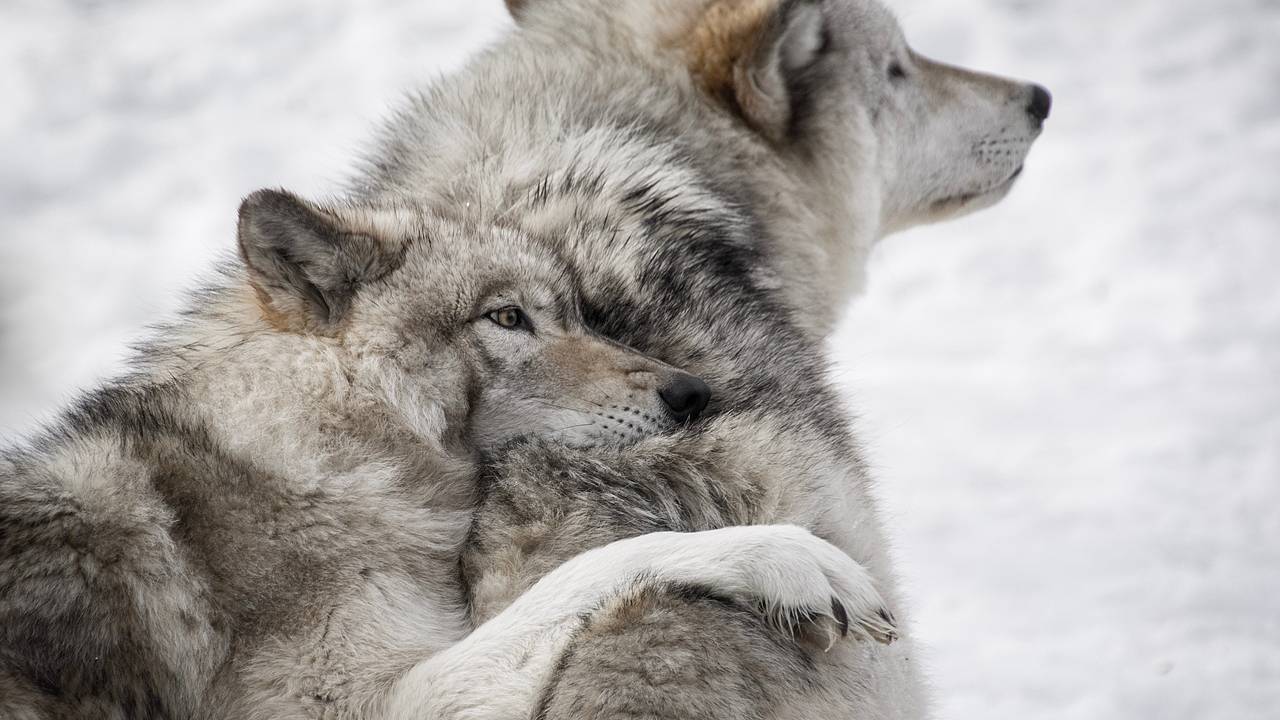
(685,396)
(1041,102)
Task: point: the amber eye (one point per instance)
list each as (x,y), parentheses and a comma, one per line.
(511,318)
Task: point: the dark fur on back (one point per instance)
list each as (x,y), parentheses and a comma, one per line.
(58,555)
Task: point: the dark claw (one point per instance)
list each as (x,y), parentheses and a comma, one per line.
(841,616)
(888,617)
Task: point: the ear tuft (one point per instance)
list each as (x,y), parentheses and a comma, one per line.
(748,54)
(303,263)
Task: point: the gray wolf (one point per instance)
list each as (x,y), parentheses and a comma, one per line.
(266,517)
(717,178)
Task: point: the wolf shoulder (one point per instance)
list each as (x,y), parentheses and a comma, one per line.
(100,606)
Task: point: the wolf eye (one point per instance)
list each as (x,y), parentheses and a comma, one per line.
(511,318)
(896,71)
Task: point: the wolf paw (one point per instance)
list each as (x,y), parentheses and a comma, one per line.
(801,584)
(823,630)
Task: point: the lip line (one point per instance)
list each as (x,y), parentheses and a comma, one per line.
(966,198)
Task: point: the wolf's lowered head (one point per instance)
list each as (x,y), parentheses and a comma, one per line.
(473,334)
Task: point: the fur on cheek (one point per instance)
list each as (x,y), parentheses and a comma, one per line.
(411,401)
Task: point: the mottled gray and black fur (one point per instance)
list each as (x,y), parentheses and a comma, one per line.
(275,514)
(741,274)
(265,518)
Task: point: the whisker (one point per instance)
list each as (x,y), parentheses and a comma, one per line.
(548,403)
(570,427)
(558,407)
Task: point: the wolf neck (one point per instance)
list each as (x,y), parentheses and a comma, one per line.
(464,149)
(302,409)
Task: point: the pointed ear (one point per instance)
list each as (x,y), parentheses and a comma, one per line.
(303,264)
(752,54)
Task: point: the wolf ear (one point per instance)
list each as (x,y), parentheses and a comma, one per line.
(303,264)
(750,54)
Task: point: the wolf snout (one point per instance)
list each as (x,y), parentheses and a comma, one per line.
(685,397)
(1040,104)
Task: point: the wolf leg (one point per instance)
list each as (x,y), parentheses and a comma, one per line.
(499,671)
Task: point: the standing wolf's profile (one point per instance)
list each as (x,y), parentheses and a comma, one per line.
(265,518)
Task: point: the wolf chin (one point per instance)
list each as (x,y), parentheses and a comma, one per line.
(564,333)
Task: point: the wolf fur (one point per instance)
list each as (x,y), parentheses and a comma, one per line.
(717,181)
(265,518)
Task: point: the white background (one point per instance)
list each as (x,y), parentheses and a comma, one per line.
(1072,401)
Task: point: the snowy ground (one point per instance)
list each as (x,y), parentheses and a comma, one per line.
(1072,401)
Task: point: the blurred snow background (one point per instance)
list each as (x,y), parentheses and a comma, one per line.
(1072,400)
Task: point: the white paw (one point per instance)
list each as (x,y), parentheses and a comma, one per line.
(801,583)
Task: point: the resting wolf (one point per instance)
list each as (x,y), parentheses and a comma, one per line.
(265,518)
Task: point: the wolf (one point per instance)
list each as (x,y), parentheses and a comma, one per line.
(263,519)
(286,509)
(716,173)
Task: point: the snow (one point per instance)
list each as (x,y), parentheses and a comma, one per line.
(1072,401)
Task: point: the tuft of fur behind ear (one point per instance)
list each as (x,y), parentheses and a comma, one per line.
(303,263)
(748,54)
(515,7)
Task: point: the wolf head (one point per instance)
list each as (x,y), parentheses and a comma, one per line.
(467,332)
(836,89)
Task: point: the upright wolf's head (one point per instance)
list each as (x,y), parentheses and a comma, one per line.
(467,332)
(833,85)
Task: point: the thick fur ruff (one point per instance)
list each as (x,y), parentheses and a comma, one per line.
(267,516)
